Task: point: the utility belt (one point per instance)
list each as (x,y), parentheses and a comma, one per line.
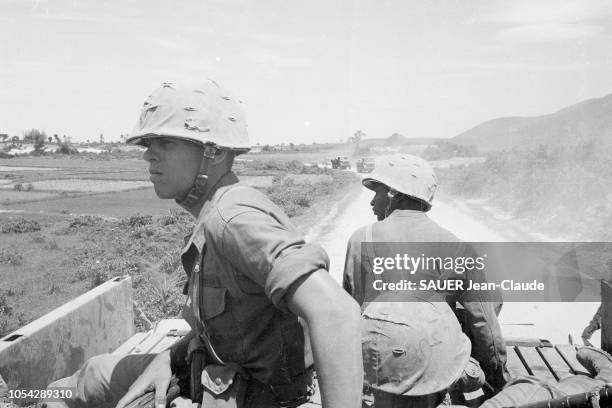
(222,384)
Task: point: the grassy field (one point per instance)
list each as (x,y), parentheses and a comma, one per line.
(76,222)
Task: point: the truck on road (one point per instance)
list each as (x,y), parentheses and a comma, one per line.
(365,165)
(341,162)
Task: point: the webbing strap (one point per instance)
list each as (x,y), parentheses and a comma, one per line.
(195,304)
(201,325)
(202,182)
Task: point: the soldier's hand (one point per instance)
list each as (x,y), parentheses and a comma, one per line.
(587,333)
(156,377)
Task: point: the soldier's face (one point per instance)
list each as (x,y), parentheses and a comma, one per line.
(380,201)
(173,165)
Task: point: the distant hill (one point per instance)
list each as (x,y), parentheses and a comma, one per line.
(591,119)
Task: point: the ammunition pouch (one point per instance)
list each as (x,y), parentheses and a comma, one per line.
(223,387)
(228,386)
(197,358)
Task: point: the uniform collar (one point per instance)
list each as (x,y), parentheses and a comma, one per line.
(405,213)
(197,237)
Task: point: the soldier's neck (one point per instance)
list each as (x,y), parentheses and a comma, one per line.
(203,191)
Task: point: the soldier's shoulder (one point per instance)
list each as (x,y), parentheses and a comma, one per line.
(239,198)
(359,235)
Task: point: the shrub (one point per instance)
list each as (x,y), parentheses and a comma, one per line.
(143,232)
(10,257)
(19,225)
(51,245)
(85,221)
(37,137)
(137,220)
(55,288)
(38,239)
(171,263)
(180,217)
(291,197)
(160,295)
(165,220)
(5,309)
(99,271)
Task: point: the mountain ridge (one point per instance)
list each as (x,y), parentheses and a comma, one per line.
(573,124)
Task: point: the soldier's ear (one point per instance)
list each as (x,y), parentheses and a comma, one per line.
(224,156)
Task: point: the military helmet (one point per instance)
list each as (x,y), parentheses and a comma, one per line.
(412,348)
(404,173)
(203,113)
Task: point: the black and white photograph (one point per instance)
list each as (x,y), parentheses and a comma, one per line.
(315,204)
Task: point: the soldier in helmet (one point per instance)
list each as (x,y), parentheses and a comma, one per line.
(404,187)
(251,276)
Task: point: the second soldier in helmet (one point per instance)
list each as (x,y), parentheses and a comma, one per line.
(404,188)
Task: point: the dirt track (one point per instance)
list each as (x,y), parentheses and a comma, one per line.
(547,320)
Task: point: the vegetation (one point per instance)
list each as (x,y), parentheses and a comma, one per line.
(446,150)
(19,225)
(37,138)
(64,147)
(295,197)
(10,257)
(559,190)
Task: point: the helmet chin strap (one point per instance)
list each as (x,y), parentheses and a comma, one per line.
(202,182)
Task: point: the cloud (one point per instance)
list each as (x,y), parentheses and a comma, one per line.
(547,32)
(525,12)
(524,21)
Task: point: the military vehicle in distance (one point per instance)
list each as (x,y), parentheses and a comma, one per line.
(365,165)
(341,162)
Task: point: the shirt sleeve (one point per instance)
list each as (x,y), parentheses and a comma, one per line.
(483,327)
(352,278)
(349,271)
(272,254)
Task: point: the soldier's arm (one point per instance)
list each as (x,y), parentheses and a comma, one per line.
(295,278)
(488,346)
(348,276)
(333,320)
(178,352)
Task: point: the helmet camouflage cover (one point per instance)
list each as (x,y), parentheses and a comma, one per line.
(204,113)
(404,173)
(412,348)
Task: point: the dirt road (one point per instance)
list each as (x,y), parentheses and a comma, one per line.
(546,320)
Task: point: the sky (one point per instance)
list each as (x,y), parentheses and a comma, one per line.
(307,71)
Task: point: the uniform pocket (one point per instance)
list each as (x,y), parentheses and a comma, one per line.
(213,301)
